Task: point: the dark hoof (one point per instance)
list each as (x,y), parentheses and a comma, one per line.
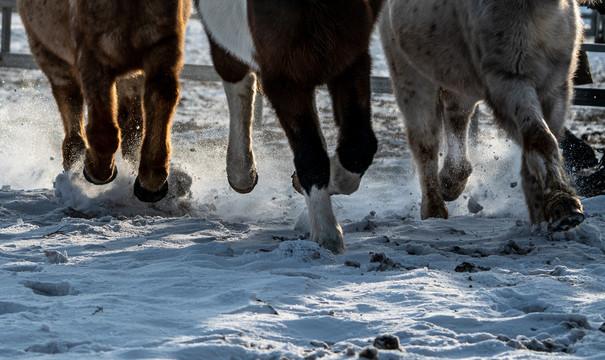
(568,222)
(451,190)
(244,191)
(564,212)
(432,206)
(296,184)
(96,182)
(148,195)
(453,180)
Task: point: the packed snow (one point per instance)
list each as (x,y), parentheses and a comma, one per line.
(90,272)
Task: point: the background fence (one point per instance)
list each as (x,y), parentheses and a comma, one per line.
(380,85)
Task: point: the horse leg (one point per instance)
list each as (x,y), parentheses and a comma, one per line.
(457,166)
(518,109)
(417,98)
(294,107)
(563,210)
(239,84)
(68,96)
(161,66)
(357,144)
(102,130)
(130,115)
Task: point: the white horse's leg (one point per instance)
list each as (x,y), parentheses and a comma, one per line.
(417,99)
(324,228)
(549,198)
(457,166)
(241,167)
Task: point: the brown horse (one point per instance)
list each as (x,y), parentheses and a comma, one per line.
(294,46)
(83,47)
(519,56)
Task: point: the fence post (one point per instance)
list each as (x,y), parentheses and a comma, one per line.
(6,29)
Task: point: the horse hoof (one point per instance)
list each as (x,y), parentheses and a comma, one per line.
(565,214)
(567,222)
(91,180)
(149,195)
(296,184)
(453,180)
(432,206)
(247,190)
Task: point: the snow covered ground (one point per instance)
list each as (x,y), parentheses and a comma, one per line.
(89,272)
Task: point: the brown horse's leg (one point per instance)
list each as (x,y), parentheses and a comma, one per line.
(239,84)
(130,115)
(161,67)
(67,93)
(102,130)
(294,106)
(357,144)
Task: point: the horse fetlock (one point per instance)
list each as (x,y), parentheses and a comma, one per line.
(453,179)
(332,240)
(563,211)
(130,150)
(342,181)
(73,149)
(325,230)
(433,206)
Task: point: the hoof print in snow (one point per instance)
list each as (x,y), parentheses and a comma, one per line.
(513,248)
(55,257)
(352,263)
(470,268)
(50,289)
(387,342)
(384,263)
(369,353)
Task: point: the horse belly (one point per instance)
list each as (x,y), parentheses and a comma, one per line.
(227,23)
(435,43)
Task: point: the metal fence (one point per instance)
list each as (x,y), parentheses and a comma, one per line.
(380,85)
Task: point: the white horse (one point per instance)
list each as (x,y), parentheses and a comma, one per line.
(294,46)
(517,55)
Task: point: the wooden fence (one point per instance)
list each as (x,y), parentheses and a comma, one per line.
(380,85)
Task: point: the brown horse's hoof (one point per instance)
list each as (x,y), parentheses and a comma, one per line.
(244,191)
(91,180)
(149,195)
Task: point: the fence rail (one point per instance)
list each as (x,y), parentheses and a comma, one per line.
(379,85)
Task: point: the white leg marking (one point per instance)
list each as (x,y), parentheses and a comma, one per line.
(324,228)
(241,167)
(342,181)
